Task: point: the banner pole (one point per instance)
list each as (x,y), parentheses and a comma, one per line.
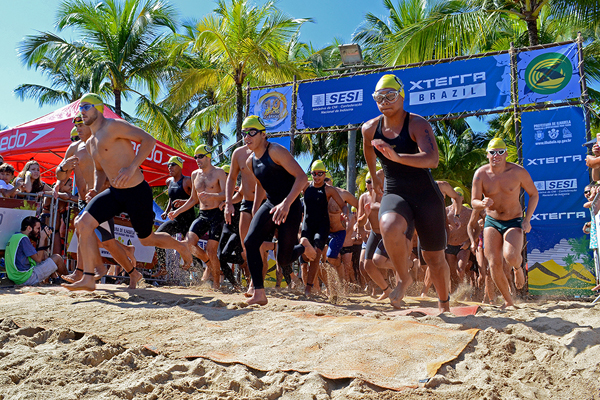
(584,92)
(247,99)
(293,116)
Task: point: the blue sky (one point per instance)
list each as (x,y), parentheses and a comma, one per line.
(332,18)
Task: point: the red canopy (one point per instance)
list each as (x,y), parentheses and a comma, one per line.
(47,138)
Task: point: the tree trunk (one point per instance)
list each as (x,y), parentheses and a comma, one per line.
(240,112)
(351,162)
(117,94)
(532,31)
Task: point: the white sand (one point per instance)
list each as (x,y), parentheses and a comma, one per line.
(59,345)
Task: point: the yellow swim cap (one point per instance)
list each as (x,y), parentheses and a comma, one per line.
(203,149)
(74,132)
(176,160)
(253,122)
(390,81)
(318,165)
(460,191)
(328,175)
(353,209)
(94,99)
(78,119)
(368,177)
(226,168)
(496,143)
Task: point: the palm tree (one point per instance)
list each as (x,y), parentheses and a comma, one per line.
(123,42)
(241,43)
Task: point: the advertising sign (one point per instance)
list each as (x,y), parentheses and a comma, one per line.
(274,106)
(548,74)
(555,159)
(460,86)
(10,223)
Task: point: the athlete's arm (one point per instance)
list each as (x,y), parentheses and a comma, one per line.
(368,132)
(333,193)
(477,199)
(596,174)
(63,170)
(281,156)
(259,191)
(234,171)
(361,215)
(191,202)
(448,190)
(187,185)
(125,130)
(528,185)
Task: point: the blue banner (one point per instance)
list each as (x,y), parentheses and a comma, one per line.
(459,86)
(548,74)
(274,106)
(554,157)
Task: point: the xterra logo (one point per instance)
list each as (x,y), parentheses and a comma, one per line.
(19,139)
(554,160)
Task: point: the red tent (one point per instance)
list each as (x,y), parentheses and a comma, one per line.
(47,138)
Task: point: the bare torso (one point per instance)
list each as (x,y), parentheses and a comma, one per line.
(84,171)
(248,180)
(207,182)
(350,238)
(458,235)
(112,153)
(504,189)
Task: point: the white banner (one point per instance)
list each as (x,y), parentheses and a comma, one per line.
(10,223)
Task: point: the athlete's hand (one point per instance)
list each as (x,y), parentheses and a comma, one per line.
(377,187)
(229,211)
(203,196)
(474,245)
(55,191)
(71,163)
(178,203)
(222,205)
(456,221)
(280,212)
(163,215)
(367,209)
(465,246)
(596,149)
(487,202)
(123,177)
(526,225)
(172,215)
(90,195)
(386,149)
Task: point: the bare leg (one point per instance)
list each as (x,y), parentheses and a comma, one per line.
(166,241)
(311,272)
(493,253)
(511,250)
(452,261)
(440,275)
(212,248)
(393,227)
(259,297)
(374,268)
(427,282)
(90,253)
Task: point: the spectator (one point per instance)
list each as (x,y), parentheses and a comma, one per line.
(7,174)
(1,159)
(31,176)
(26,265)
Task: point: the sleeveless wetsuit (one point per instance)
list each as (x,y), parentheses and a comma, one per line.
(412,192)
(182,223)
(316,217)
(277,183)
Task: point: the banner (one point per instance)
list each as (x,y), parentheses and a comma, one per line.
(459,86)
(274,106)
(10,223)
(558,260)
(548,74)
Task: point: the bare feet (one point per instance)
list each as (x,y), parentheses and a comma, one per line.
(86,283)
(309,250)
(161,272)
(74,277)
(100,272)
(186,255)
(130,250)
(385,294)
(134,277)
(398,293)
(519,277)
(259,297)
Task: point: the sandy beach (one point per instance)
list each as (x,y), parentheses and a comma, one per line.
(161,343)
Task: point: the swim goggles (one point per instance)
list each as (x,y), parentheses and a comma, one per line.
(390,96)
(499,152)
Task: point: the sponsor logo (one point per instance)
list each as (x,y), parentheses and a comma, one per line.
(441,89)
(19,139)
(337,98)
(554,160)
(553,133)
(556,184)
(548,73)
(155,156)
(567,133)
(272,108)
(559,215)
(539,135)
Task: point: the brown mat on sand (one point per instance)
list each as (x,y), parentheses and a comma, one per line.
(389,354)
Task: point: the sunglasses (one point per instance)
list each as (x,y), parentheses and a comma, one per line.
(86,107)
(199,156)
(587,191)
(74,138)
(172,164)
(317,173)
(499,152)
(389,96)
(368,181)
(251,132)
(77,121)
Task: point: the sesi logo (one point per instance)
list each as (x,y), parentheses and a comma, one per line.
(19,139)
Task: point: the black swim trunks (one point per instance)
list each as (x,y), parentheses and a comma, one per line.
(502,226)
(135,201)
(346,250)
(210,221)
(246,206)
(454,250)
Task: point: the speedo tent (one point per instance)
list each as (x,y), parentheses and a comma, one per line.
(47,138)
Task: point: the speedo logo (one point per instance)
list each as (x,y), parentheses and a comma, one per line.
(556,184)
(336,98)
(19,139)
(554,160)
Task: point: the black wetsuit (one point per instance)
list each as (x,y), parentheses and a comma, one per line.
(412,192)
(181,224)
(316,216)
(277,183)
(230,245)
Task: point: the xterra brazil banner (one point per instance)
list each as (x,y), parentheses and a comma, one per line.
(459,86)
(549,74)
(554,156)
